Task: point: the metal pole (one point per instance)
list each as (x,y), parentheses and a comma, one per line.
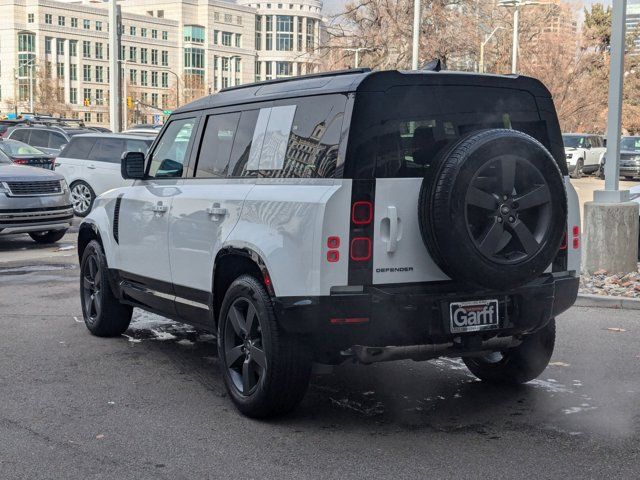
(481,66)
(125,106)
(416,34)
(516,22)
(114,85)
(357,61)
(616,80)
(31,88)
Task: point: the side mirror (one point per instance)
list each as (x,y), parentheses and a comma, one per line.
(132,165)
(169,169)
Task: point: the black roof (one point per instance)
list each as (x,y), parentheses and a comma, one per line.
(357,80)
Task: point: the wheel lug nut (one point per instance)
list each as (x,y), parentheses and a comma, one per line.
(499,219)
(505,197)
(512,219)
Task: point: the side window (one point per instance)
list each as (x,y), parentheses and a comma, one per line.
(242,145)
(21,135)
(216,146)
(39,138)
(137,146)
(56,140)
(168,158)
(270,138)
(78,147)
(107,150)
(587,142)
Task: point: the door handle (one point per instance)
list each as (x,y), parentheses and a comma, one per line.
(392,215)
(160,208)
(216,211)
(91,167)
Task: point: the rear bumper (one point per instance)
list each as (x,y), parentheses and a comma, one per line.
(418,314)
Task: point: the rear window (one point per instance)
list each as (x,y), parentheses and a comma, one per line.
(21,134)
(107,150)
(403,131)
(79,148)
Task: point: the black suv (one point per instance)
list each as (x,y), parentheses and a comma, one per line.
(48,138)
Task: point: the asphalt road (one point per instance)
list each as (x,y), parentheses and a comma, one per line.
(152,404)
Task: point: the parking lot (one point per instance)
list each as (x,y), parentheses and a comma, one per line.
(151,404)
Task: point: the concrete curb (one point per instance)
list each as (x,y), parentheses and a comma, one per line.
(603,301)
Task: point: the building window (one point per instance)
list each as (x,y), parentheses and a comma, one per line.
(99,96)
(48,18)
(154,99)
(238,40)
(165,58)
(86,49)
(99,50)
(239,20)
(98,25)
(144,55)
(216,16)
(154,79)
(60,46)
(26,42)
(283,69)
(226,39)
(47,45)
(60,69)
(73,95)
(61,20)
(299,46)
(194,58)
(165,35)
(132,31)
(194,33)
(284,33)
(269,70)
(100,117)
(258,71)
(215,37)
(87,97)
(160,14)
(74,22)
(86,73)
(154,33)
(99,74)
(73,71)
(87,117)
(310,34)
(144,78)
(133,77)
(143,32)
(86,24)
(228,18)
(30,18)
(269,29)
(258,32)
(154,57)
(133,54)
(165,100)
(165,80)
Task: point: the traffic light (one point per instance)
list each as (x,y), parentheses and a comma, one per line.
(87,102)
(129,102)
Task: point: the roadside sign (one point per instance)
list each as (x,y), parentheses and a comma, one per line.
(156,119)
(167,112)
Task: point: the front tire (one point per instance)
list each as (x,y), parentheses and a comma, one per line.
(577,172)
(103,314)
(45,238)
(82,198)
(517,365)
(266,370)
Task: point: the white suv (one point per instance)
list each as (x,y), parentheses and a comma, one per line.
(354,215)
(584,153)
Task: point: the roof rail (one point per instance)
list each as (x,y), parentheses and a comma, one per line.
(299,77)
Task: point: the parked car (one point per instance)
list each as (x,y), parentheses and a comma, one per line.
(629,158)
(149,132)
(91,165)
(7,124)
(49,139)
(23,154)
(364,216)
(583,152)
(34,201)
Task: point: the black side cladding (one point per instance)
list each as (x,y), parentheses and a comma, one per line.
(116,218)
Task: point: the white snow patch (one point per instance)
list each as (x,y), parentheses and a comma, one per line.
(206,337)
(162,336)
(582,408)
(550,386)
(131,339)
(185,343)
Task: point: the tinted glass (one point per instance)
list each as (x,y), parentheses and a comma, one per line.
(39,138)
(137,146)
(573,141)
(242,145)
(216,146)
(107,150)
(171,153)
(403,131)
(56,140)
(4,158)
(13,147)
(78,147)
(630,143)
(21,135)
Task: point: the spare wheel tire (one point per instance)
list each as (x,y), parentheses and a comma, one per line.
(493,212)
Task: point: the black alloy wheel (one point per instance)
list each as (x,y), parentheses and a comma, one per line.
(508,209)
(243,347)
(92,289)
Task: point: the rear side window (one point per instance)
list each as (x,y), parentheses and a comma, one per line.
(39,138)
(402,132)
(56,140)
(78,147)
(21,135)
(137,146)
(216,146)
(107,150)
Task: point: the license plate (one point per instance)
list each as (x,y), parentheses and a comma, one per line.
(474,316)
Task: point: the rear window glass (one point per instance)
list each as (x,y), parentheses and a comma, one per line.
(21,135)
(403,131)
(39,138)
(107,150)
(78,147)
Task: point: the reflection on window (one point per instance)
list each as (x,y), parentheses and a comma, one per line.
(217,142)
(169,156)
(270,138)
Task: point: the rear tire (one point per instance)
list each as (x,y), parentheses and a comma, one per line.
(577,172)
(82,198)
(51,236)
(265,369)
(629,178)
(103,313)
(517,365)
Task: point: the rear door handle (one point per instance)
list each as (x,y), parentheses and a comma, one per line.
(216,211)
(160,208)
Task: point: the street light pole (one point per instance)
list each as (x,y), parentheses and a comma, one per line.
(483,44)
(356,51)
(416,35)
(114,84)
(516,27)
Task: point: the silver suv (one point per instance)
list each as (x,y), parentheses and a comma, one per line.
(34,201)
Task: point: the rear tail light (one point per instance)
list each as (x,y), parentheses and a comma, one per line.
(333,256)
(362,213)
(361,249)
(333,242)
(575,237)
(20,161)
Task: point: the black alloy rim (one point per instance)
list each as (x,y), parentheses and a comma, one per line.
(91,288)
(508,209)
(243,347)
